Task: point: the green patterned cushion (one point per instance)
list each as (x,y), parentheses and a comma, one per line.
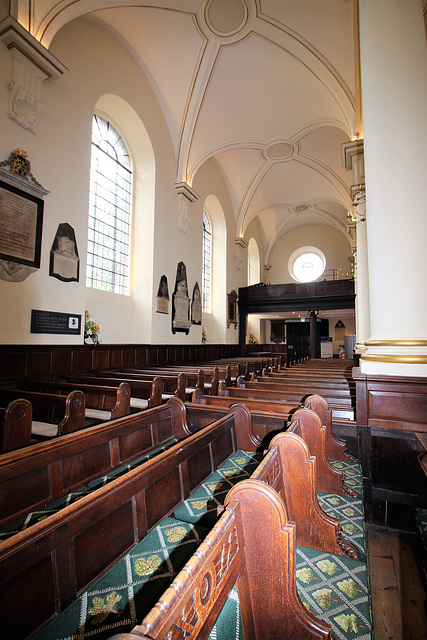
(335,589)
(350,513)
(352,474)
(421,520)
(201,506)
(54,507)
(228,625)
(126,592)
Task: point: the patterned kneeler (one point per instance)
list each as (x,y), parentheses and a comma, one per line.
(126,593)
(336,590)
(349,511)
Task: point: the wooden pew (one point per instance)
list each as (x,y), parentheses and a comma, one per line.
(173,385)
(290,390)
(102,402)
(58,552)
(38,475)
(240,394)
(51,411)
(254,532)
(145,394)
(15,425)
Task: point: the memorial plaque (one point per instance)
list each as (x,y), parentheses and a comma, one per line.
(21,220)
(54,322)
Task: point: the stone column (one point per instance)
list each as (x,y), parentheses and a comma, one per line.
(393,66)
(353,159)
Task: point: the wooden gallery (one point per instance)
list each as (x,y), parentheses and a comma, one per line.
(213,319)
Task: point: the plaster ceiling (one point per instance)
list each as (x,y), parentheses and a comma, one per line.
(265,88)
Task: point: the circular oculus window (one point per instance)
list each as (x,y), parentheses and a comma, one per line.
(307,264)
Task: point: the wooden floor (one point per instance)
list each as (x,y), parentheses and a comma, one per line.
(398,596)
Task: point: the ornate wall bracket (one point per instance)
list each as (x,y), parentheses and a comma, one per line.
(31,65)
(186,196)
(241,244)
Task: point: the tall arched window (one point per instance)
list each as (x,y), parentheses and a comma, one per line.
(207,264)
(110,210)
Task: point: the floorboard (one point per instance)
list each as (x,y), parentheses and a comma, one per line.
(398,596)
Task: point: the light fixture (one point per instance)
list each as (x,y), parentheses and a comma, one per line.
(359,205)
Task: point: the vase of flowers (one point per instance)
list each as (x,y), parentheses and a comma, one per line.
(204,336)
(92,329)
(252,339)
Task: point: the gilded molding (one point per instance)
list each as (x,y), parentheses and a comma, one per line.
(402,359)
(396,343)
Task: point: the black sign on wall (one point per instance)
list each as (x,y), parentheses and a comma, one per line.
(53,322)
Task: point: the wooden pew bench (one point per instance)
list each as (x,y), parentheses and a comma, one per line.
(173,385)
(145,394)
(34,477)
(51,412)
(313,591)
(292,390)
(65,552)
(15,425)
(339,409)
(102,402)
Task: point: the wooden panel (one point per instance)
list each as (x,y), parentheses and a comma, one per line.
(163,496)
(135,441)
(397,405)
(27,600)
(197,466)
(85,464)
(116,358)
(100,545)
(41,362)
(82,360)
(33,490)
(61,361)
(100,358)
(222,447)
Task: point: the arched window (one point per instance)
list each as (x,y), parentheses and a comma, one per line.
(207,263)
(110,210)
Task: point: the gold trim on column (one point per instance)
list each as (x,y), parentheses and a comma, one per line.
(396,343)
(406,359)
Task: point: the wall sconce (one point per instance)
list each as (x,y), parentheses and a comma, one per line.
(359,205)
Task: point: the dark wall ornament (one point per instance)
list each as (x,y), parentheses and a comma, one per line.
(196,305)
(181,302)
(163,296)
(21,218)
(64,256)
(232,309)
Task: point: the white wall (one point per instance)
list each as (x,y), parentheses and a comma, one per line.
(330,241)
(60,160)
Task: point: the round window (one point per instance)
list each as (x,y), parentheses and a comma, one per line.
(306,264)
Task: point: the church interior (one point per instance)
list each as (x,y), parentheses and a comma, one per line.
(213,354)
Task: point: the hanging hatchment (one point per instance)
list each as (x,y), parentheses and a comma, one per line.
(64,257)
(181,301)
(163,296)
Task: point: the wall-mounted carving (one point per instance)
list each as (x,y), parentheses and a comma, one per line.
(64,257)
(21,218)
(31,65)
(232,309)
(186,196)
(181,302)
(196,305)
(163,296)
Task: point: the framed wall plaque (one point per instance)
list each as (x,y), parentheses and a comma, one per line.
(21,222)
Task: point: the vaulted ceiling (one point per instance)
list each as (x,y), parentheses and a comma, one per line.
(265,88)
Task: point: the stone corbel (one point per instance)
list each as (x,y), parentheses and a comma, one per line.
(31,65)
(267,268)
(186,196)
(241,244)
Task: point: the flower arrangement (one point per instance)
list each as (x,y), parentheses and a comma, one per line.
(92,328)
(204,336)
(252,339)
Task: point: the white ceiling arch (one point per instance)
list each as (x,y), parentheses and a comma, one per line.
(238,81)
